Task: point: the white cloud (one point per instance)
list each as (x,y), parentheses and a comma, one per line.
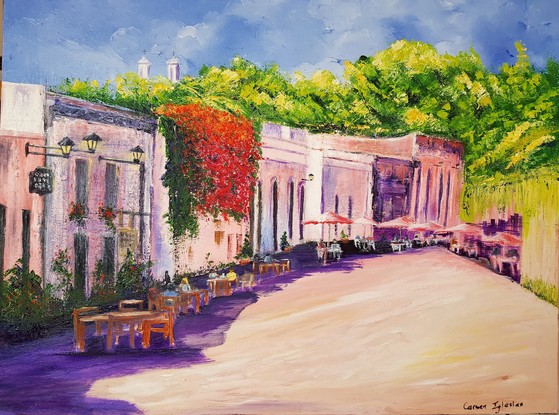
(187,31)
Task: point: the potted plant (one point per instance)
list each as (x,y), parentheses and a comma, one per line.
(245,254)
(344,238)
(284,243)
(78,213)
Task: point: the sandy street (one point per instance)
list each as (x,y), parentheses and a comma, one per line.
(412,332)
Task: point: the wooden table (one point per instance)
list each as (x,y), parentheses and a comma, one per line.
(132,318)
(267,266)
(219,287)
(123,305)
(186,299)
(79,328)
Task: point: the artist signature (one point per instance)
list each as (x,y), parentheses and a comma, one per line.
(493,406)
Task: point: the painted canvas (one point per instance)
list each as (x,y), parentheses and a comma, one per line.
(279,207)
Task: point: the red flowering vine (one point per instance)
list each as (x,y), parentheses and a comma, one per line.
(218,155)
(77,212)
(108,215)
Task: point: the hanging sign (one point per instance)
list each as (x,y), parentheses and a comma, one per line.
(40,181)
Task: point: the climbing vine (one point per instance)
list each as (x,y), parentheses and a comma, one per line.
(212,162)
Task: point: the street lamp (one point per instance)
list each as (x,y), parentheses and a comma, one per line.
(65,146)
(92,140)
(310,179)
(137,154)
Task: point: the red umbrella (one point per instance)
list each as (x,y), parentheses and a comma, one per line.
(329,218)
(464,227)
(366,221)
(423,227)
(399,223)
(503,238)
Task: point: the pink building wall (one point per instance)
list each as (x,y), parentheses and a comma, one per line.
(427,174)
(21,122)
(119,131)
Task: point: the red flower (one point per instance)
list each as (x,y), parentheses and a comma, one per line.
(228,152)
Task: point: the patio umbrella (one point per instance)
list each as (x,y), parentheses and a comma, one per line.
(465,228)
(424,227)
(503,238)
(328,218)
(366,221)
(398,223)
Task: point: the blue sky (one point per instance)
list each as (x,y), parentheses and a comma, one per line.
(48,40)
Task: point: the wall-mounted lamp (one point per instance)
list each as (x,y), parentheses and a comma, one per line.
(92,140)
(65,146)
(439,164)
(137,154)
(310,179)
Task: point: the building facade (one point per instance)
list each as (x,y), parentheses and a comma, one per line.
(414,175)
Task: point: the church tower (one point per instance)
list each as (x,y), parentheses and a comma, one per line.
(173,69)
(143,67)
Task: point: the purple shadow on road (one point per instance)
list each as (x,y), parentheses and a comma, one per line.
(45,376)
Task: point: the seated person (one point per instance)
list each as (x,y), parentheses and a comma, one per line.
(232,276)
(357,242)
(212,275)
(322,251)
(407,242)
(184,285)
(336,250)
(170,291)
(268,259)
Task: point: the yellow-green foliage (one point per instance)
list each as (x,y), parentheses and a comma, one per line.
(543,290)
(536,199)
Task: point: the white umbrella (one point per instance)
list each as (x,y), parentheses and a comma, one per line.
(329,218)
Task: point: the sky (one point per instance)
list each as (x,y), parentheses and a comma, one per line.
(46,41)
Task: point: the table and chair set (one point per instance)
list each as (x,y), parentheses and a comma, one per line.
(159,317)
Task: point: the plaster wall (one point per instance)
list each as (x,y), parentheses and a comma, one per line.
(21,122)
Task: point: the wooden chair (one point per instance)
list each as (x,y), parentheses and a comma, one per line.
(163,324)
(285,265)
(247,280)
(153,294)
(84,315)
(169,301)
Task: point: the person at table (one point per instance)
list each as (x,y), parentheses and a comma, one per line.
(336,250)
(232,277)
(170,291)
(166,279)
(322,251)
(184,286)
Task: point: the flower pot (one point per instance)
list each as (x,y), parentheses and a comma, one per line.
(244,261)
(287,249)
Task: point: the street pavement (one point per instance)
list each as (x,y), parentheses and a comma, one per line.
(417,332)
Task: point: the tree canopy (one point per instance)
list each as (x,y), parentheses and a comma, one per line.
(508,121)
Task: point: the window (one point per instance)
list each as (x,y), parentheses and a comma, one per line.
(301,211)
(2,237)
(81,182)
(80,261)
(111,186)
(25,238)
(290,217)
(109,257)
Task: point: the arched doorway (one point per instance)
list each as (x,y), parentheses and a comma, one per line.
(301,210)
(275,213)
